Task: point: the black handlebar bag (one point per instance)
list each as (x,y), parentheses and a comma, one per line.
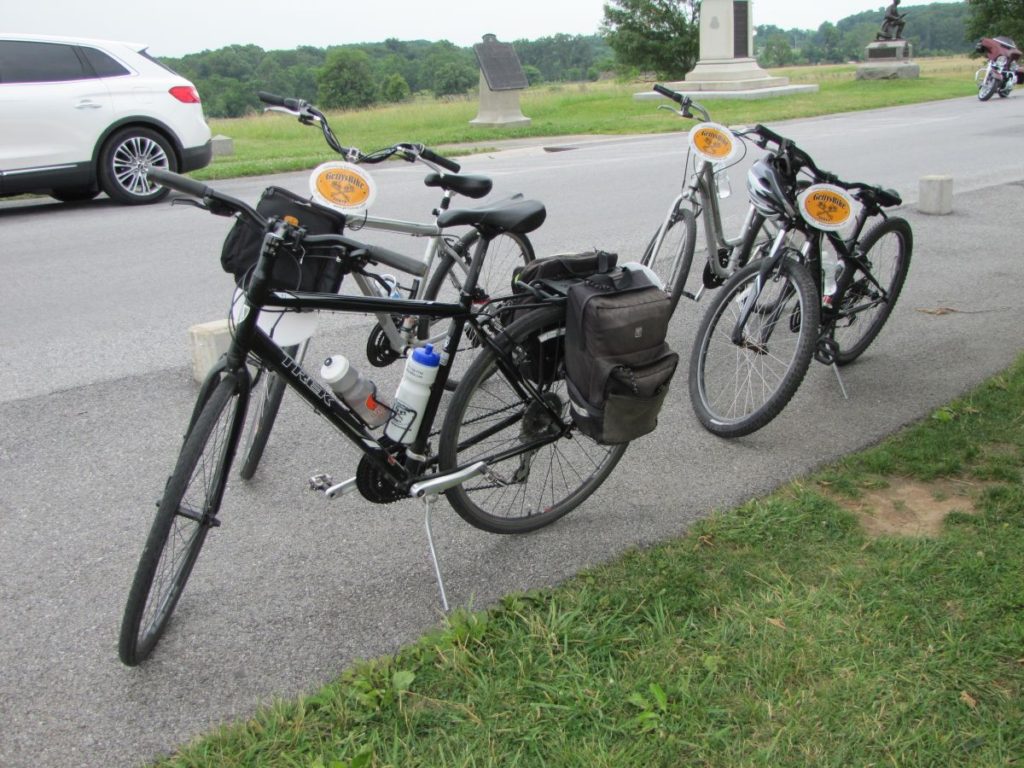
(618,365)
(292,271)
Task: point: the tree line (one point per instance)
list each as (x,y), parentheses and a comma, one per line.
(355,76)
(658,37)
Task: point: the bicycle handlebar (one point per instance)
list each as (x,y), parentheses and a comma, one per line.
(686,104)
(225,205)
(295,105)
(307,113)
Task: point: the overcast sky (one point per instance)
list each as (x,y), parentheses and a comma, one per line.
(188,26)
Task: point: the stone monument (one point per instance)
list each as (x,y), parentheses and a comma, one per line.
(888,58)
(727,66)
(501,80)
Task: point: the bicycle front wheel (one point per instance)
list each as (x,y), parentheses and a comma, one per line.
(267,392)
(864,306)
(488,418)
(675,256)
(737,387)
(184,516)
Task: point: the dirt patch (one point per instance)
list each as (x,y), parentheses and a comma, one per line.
(911,507)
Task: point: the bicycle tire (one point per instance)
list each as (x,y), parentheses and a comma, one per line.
(681,239)
(486,416)
(726,399)
(878,250)
(267,393)
(505,252)
(163,569)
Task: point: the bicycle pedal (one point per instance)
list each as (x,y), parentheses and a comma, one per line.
(320,482)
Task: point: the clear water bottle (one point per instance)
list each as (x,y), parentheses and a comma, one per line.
(355,389)
(392,287)
(831,268)
(412,395)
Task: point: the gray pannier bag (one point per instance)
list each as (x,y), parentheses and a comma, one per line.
(618,365)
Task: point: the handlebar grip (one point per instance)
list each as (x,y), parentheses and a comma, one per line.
(444,162)
(668,93)
(179,183)
(274,100)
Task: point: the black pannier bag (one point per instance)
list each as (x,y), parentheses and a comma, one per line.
(618,365)
(292,271)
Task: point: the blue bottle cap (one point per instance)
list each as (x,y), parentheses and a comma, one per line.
(426,355)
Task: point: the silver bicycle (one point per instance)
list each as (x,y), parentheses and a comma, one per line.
(440,271)
(712,150)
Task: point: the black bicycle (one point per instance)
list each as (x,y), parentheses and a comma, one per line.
(507,456)
(821,288)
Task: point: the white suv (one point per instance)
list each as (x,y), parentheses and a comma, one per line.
(79,116)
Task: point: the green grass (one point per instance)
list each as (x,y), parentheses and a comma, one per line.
(276,143)
(776,634)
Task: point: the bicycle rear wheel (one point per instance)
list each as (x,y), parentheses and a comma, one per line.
(864,307)
(675,256)
(267,392)
(488,417)
(504,254)
(737,388)
(184,517)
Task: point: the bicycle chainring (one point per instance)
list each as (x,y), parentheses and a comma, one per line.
(827,350)
(711,280)
(379,351)
(375,486)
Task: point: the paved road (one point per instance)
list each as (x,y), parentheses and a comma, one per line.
(95,389)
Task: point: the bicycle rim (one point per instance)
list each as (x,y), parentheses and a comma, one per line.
(672,261)
(184,516)
(864,306)
(738,388)
(487,417)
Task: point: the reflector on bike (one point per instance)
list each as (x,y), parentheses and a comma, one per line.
(713,142)
(343,186)
(826,206)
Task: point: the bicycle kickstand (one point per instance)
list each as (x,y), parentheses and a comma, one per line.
(429,490)
(839,378)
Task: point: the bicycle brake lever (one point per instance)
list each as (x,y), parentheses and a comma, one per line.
(190,201)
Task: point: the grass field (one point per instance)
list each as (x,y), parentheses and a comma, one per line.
(868,615)
(276,143)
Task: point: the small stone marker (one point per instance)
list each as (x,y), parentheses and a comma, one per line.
(222,146)
(935,195)
(207,342)
(501,80)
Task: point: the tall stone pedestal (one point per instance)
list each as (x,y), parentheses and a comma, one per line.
(727,67)
(889,60)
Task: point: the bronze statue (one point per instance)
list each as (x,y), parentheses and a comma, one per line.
(892,24)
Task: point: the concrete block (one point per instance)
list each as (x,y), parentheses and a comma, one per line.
(935,195)
(222,146)
(207,342)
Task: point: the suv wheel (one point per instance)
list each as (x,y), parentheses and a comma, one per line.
(124,161)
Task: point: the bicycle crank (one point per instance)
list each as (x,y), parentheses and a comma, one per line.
(379,351)
(827,351)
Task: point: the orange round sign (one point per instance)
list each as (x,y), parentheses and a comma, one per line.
(826,206)
(343,185)
(712,142)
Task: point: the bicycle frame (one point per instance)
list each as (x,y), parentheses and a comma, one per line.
(249,339)
(810,254)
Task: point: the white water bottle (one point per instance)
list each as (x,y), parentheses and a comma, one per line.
(355,389)
(412,395)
